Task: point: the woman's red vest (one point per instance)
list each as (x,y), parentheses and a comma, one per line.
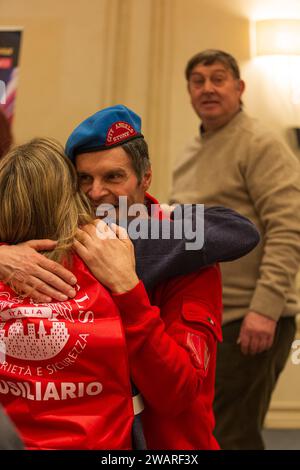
(64,377)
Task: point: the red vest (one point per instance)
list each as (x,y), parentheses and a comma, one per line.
(65,377)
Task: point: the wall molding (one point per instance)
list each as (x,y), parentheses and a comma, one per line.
(128,38)
(283,415)
(115,49)
(160,66)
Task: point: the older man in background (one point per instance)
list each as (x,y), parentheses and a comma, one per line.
(237,163)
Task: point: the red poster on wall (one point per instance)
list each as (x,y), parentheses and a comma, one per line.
(10,43)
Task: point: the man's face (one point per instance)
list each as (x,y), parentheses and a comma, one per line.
(107,174)
(215,94)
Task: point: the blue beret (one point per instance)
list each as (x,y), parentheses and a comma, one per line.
(105,129)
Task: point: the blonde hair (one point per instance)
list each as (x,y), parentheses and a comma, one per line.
(40,196)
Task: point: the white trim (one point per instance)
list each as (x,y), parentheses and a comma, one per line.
(138,404)
(11,28)
(283,415)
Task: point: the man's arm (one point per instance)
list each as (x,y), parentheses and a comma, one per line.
(32,274)
(257,333)
(272,175)
(170,347)
(227,236)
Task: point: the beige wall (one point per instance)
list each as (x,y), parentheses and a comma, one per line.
(80,55)
(285,407)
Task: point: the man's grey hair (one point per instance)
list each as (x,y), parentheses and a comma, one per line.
(209,57)
(137,150)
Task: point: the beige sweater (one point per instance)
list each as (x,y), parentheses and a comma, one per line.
(246,168)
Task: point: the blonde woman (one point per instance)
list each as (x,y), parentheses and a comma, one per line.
(65,380)
(64,377)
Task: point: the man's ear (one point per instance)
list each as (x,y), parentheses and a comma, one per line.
(146,180)
(242,86)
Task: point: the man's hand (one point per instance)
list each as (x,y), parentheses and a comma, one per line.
(31,274)
(256,334)
(109,254)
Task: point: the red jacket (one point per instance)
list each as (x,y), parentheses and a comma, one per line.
(65,378)
(172,354)
(72,391)
(172,357)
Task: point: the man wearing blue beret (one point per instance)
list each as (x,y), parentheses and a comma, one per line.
(164,337)
(174,335)
(171,327)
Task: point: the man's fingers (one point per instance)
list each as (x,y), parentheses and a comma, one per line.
(49,278)
(39,298)
(89,228)
(256,333)
(245,346)
(41,245)
(25,290)
(80,249)
(263,345)
(35,275)
(120,232)
(84,234)
(254,345)
(244,341)
(250,343)
(54,273)
(105,233)
(42,282)
(267,342)
(96,228)
(37,288)
(52,287)
(101,225)
(16,275)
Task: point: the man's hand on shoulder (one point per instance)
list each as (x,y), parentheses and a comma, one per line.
(109,254)
(32,274)
(257,333)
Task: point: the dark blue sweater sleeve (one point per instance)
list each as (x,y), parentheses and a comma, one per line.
(227,236)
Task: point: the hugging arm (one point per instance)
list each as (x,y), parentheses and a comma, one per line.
(226,236)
